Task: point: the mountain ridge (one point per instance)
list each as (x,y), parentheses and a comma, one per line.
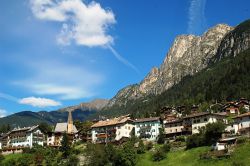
(179,62)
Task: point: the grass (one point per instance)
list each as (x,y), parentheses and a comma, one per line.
(241,157)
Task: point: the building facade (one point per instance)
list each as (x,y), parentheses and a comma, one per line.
(112,130)
(148,128)
(242,124)
(23,137)
(196,121)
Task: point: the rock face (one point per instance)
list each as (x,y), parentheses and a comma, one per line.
(235,41)
(188,55)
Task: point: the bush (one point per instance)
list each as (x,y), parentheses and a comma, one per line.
(241,140)
(213,132)
(150,146)
(1,158)
(166,148)
(159,155)
(72,161)
(161,138)
(195,140)
(141,147)
(238,163)
(180,139)
(126,156)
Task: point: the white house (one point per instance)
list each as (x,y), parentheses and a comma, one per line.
(112,130)
(148,128)
(242,123)
(199,120)
(26,137)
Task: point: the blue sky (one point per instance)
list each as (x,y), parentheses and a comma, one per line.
(60,53)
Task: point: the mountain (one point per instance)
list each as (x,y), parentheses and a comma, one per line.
(80,112)
(188,55)
(190,58)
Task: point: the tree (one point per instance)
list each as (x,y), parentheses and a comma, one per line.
(161,138)
(65,147)
(213,132)
(141,147)
(159,155)
(45,127)
(126,156)
(195,140)
(166,147)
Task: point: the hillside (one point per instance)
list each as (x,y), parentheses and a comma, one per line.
(191,158)
(80,112)
(226,79)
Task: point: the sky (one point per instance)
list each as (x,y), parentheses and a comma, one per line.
(57,53)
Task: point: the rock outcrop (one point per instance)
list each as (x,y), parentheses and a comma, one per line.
(188,55)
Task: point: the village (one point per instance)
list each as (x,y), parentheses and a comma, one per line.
(171,124)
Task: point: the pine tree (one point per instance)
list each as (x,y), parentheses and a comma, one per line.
(65,147)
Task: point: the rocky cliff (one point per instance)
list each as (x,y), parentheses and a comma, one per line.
(188,55)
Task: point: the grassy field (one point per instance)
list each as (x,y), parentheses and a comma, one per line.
(240,157)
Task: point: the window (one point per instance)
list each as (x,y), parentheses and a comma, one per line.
(129,127)
(205,119)
(175,130)
(198,120)
(153,130)
(195,127)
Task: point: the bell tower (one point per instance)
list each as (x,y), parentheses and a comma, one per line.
(70,123)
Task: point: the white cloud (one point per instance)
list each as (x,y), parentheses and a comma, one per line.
(39,102)
(61,80)
(3,113)
(86,24)
(196,17)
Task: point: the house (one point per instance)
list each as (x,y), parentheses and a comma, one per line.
(243,103)
(112,130)
(54,138)
(23,137)
(175,128)
(231,108)
(148,128)
(242,124)
(225,143)
(196,121)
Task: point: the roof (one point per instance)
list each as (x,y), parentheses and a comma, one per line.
(242,115)
(147,119)
(63,127)
(111,122)
(174,121)
(25,129)
(203,114)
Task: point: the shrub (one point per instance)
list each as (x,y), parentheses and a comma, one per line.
(213,132)
(1,157)
(159,155)
(166,148)
(180,139)
(241,140)
(150,146)
(73,160)
(161,138)
(141,147)
(195,140)
(126,156)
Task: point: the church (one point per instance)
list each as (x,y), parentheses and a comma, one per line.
(54,138)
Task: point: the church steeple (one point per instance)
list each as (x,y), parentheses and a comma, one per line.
(70,122)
